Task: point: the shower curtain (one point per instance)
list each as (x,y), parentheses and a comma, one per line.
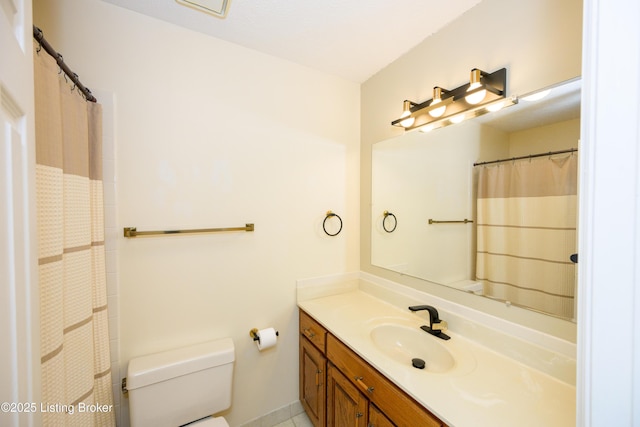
(75,356)
(526,213)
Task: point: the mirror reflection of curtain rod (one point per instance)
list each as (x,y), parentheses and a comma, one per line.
(530,156)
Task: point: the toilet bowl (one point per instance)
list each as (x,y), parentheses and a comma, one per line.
(182,386)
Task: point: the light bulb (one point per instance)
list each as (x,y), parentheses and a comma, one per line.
(406,112)
(437,99)
(537,96)
(408,121)
(437,112)
(496,106)
(457,118)
(477,97)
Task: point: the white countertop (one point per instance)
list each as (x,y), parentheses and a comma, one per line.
(486,388)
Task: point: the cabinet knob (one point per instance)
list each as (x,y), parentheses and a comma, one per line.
(359,415)
(308,332)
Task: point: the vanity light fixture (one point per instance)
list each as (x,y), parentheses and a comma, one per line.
(485,92)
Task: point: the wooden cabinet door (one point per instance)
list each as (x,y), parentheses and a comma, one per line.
(377,418)
(313,374)
(346,406)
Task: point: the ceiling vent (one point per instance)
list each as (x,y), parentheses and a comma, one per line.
(218,8)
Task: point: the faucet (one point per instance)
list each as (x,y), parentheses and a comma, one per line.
(436,326)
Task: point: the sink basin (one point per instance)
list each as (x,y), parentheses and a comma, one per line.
(403,344)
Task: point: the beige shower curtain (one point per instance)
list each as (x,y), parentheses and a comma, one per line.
(526,213)
(75,357)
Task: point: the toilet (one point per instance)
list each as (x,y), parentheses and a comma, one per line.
(182,386)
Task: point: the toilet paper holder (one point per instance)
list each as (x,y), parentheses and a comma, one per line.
(253,333)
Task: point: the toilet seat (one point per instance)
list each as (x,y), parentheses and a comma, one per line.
(210,422)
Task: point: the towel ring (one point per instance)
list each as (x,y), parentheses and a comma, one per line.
(387,214)
(324,223)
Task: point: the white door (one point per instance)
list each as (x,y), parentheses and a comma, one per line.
(19,340)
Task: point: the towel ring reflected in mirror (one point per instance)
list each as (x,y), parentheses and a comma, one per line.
(387,214)
(324,223)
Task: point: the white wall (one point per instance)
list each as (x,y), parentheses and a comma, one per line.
(609,272)
(538,41)
(209,134)
(557,136)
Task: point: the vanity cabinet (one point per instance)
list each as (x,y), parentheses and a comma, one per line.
(313,369)
(355,393)
(377,418)
(346,406)
(401,409)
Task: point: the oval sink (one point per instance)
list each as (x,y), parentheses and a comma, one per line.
(403,344)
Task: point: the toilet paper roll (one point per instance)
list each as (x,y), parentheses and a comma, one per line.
(266,338)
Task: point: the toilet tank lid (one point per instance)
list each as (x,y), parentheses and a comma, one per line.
(153,368)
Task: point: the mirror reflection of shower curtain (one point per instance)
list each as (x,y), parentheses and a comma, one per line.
(75,356)
(526,214)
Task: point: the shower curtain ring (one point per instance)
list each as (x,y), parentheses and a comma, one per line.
(74,79)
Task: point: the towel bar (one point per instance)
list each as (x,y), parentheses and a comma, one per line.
(133,232)
(463,221)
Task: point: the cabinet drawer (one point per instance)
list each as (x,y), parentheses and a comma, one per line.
(401,409)
(313,331)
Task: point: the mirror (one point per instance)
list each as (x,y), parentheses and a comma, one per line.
(426,203)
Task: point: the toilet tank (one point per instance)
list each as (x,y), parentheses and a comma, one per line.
(179,386)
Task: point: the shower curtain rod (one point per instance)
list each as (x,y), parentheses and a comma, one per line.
(530,156)
(39,36)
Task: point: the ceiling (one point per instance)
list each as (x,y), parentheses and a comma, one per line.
(352,39)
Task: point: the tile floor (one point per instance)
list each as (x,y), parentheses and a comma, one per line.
(300,420)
